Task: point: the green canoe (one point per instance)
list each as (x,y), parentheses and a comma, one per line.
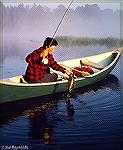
(12,90)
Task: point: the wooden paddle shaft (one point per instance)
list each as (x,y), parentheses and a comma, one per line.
(73,69)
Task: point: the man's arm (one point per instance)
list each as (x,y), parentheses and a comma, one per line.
(54,65)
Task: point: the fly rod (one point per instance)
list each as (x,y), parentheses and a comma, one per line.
(61,21)
(58,24)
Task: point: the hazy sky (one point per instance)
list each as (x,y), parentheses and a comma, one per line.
(112,6)
(83,22)
(91,21)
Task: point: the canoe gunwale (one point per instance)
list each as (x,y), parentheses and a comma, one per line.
(32,84)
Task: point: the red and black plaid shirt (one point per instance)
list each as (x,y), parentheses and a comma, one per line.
(36,69)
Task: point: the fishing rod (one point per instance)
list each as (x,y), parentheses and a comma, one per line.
(70,78)
(58,24)
(61,22)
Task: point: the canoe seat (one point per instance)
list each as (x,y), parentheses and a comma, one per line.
(17,79)
(14,79)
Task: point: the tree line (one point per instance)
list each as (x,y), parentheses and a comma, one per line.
(41,18)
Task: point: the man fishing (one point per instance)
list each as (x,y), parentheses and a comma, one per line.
(41,59)
(39,62)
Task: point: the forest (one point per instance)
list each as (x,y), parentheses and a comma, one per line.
(38,20)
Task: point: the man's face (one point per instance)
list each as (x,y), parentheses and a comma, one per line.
(51,49)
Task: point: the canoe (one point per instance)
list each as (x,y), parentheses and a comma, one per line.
(12,90)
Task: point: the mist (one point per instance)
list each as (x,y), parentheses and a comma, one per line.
(24,28)
(40,21)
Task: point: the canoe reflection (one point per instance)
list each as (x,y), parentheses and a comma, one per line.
(111,82)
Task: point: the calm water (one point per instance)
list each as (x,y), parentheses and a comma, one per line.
(90,118)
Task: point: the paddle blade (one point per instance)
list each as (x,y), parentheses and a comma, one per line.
(70,84)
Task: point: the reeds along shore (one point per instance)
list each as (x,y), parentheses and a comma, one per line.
(85,41)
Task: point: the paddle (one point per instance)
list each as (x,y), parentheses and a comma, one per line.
(82,72)
(70,79)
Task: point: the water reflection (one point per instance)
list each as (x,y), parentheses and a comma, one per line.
(70,108)
(9,112)
(111,82)
(41,128)
(43,121)
(81,120)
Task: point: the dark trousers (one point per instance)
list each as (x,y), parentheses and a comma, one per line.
(49,77)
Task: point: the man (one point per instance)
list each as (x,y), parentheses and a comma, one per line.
(40,60)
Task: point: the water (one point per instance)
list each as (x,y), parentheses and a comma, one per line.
(90,118)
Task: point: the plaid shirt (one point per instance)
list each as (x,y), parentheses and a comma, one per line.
(36,69)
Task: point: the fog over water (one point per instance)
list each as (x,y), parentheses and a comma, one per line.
(25,28)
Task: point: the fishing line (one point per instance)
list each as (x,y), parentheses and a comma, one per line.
(58,24)
(61,21)
(71,79)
